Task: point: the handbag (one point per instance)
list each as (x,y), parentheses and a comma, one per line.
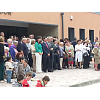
(92,51)
(85,54)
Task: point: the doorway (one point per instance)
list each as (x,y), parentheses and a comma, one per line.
(82,34)
(70,34)
(91,35)
(14,31)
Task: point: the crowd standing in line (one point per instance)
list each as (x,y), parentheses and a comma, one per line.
(24,57)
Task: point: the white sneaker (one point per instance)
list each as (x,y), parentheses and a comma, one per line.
(1,81)
(5,80)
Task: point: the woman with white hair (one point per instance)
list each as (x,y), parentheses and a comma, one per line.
(61,53)
(96,55)
(9,41)
(6,51)
(13,50)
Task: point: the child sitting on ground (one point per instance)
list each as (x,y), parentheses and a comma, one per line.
(27,81)
(43,82)
(9,68)
(18,82)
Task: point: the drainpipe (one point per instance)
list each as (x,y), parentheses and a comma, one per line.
(62,26)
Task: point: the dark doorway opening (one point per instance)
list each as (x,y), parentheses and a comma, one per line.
(70,33)
(82,34)
(91,35)
(14,31)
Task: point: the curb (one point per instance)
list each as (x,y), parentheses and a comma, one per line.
(86,83)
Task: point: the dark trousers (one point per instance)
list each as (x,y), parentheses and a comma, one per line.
(1,71)
(46,64)
(51,60)
(74,58)
(66,62)
(56,64)
(86,62)
(30,60)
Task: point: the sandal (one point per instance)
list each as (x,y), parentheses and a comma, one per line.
(80,67)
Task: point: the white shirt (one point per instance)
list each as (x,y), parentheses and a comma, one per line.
(9,66)
(85,49)
(78,54)
(80,47)
(29,82)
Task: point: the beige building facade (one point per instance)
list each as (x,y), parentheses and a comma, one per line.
(75,24)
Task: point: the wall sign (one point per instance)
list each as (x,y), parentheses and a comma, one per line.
(6,13)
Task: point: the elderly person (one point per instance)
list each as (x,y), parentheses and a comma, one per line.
(9,41)
(2,34)
(1,59)
(6,51)
(33,54)
(38,54)
(30,61)
(24,49)
(61,53)
(13,50)
(96,55)
(56,56)
(31,38)
(52,50)
(69,49)
(28,44)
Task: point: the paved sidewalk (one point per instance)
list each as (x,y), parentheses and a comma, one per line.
(66,77)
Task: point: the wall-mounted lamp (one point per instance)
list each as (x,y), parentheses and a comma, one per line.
(71,17)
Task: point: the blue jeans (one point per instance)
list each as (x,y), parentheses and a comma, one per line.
(9,75)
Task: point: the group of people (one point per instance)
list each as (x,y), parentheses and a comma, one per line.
(27,56)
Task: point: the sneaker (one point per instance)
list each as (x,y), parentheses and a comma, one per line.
(1,81)
(5,80)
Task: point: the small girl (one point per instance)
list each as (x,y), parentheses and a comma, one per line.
(69,49)
(43,82)
(70,60)
(9,68)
